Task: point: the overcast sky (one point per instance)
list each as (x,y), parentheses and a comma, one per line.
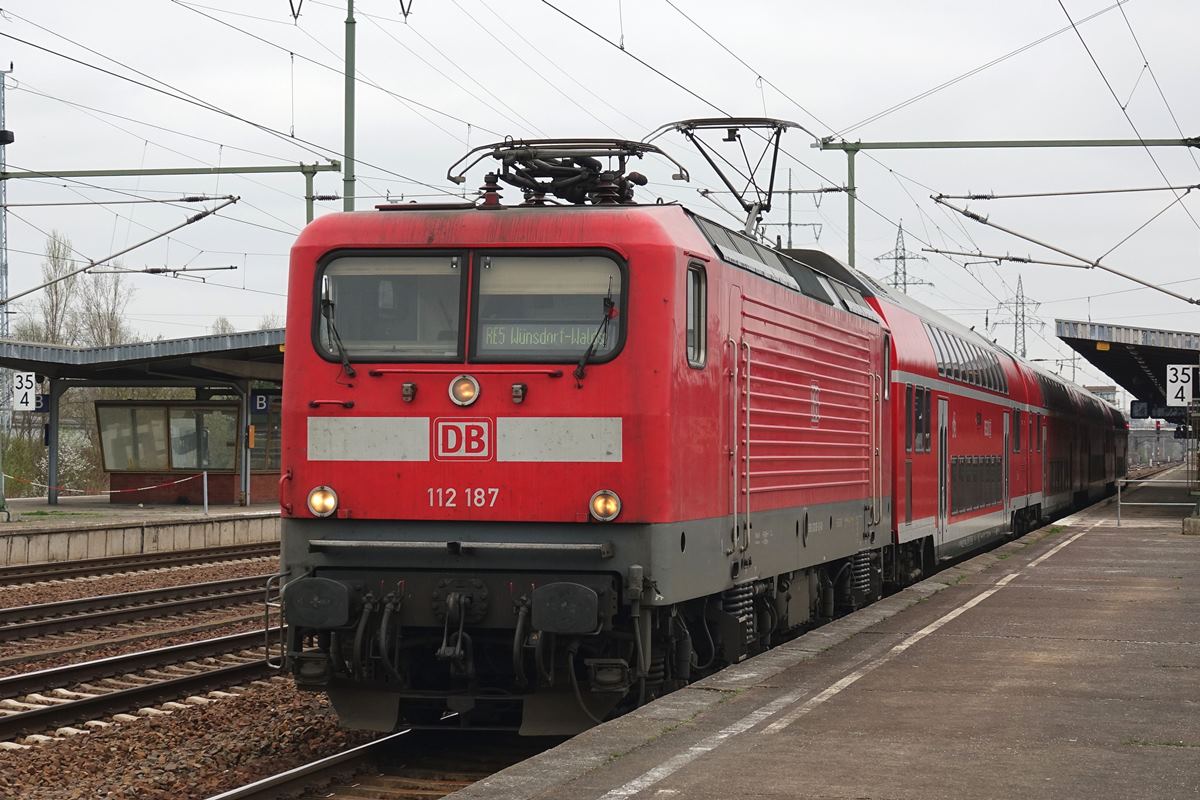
(465,72)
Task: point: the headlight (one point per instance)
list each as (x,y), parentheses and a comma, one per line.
(605,505)
(322,501)
(464,390)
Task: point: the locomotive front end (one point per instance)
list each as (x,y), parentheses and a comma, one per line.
(461,424)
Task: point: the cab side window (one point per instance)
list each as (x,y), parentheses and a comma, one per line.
(697,316)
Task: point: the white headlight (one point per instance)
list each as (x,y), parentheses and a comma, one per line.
(605,505)
(322,501)
(464,390)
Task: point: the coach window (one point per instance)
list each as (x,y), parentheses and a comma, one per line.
(960,347)
(908,417)
(918,417)
(943,355)
(952,357)
(1016,431)
(887,366)
(976,366)
(697,303)
(926,417)
(548,308)
(937,349)
(388,306)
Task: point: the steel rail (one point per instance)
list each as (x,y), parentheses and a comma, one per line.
(44,618)
(300,777)
(56,570)
(47,717)
(72,674)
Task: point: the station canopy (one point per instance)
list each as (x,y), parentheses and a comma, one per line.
(1135,358)
(220,358)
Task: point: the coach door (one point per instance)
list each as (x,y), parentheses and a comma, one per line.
(943,457)
(1005,467)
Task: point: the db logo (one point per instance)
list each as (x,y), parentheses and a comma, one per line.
(462,439)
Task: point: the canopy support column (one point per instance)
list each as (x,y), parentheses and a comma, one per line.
(56,393)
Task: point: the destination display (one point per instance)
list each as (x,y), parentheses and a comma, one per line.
(540,336)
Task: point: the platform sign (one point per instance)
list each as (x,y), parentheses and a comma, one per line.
(24,391)
(1182,384)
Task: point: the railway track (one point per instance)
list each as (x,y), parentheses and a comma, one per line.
(67,615)
(76,693)
(408,765)
(59,570)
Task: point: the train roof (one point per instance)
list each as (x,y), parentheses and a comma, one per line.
(658,223)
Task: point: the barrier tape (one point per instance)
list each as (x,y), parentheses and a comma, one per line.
(99,491)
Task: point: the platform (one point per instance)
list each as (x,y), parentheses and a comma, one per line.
(91,527)
(1062,665)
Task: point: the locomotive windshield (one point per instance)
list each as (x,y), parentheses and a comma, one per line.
(393,306)
(545,307)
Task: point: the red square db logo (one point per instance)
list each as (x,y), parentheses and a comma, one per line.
(462,439)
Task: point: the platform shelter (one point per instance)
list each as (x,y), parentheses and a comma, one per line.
(164,443)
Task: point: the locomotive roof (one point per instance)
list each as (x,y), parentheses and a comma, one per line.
(827,282)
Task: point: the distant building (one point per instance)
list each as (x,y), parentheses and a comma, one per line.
(1106,393)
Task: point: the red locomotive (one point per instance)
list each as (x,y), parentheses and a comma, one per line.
(544,462)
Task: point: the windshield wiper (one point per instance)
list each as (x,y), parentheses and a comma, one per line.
(327,313)
(610,311)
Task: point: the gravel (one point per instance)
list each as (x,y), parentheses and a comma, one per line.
(94,586)
(191,753)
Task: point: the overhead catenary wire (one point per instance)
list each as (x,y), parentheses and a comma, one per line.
(524,122)
(316,63)
(1067,193)
(199,251)
(1124,111)
(185,199)
(1157,85)
(805,110)
(973,72)
(189,221)
(1084,261)
(324,151)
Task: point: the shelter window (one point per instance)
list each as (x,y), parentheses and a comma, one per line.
(133,439)
(203,438)
(547,307)
(390,306)
(697,316)
(149,436)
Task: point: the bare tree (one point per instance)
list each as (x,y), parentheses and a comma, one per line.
(270,322)
(27,329)
(222,325)
(59,322)
(102,309)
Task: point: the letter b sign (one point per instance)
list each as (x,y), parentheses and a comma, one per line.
(463,439)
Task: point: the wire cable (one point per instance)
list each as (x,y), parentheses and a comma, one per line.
(298,141)
(1157,85)
(972,72)
(1128,118)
